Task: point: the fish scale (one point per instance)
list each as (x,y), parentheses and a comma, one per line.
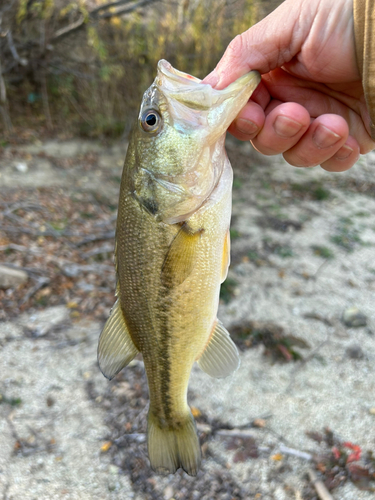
(172,253)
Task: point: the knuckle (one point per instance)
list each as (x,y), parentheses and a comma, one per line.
(236,46)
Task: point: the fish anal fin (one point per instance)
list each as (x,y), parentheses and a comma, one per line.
(220,357)
(226,257)
(171,448)
(181,256)
(116,348)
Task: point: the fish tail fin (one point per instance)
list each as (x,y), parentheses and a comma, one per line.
(171,448)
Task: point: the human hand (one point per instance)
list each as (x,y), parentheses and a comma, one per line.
(310,105)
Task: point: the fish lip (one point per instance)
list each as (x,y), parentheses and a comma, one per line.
(171,73)
(188,90)
(174,74)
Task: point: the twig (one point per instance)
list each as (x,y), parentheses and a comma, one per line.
(320,269)
(96,237)
(15,435)
(295,453)
(13,50)
(43,81)
(73,270)
(318,317)
(68,29)
(108,6)
(235,433)
(76,106)
(93,15)
(319,486)
(304,361)
(126,10)
(19,248)
(106,248)
(28,270)
(40,282)
(4,107)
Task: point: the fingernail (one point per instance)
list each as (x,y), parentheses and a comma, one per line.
(212,79)
(246,126)
(286,127)
(323,137)
(344,152)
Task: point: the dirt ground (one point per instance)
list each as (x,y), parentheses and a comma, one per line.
(299,302)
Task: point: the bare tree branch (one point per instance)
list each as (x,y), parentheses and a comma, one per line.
(4,107)
(13,50)
(126,10)
(93,15)
(68,29)
(108,6)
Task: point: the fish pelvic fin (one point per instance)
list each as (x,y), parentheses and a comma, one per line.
(116,348)
(220,357)
(172,448)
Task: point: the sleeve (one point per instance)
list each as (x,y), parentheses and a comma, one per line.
(364,31)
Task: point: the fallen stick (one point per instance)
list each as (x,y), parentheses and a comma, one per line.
(295,453)
(319,486)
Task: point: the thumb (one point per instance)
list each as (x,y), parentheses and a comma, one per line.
(267,45)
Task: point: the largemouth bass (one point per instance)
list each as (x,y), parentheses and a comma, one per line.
(172,253)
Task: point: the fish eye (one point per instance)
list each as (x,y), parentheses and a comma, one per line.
(150,120)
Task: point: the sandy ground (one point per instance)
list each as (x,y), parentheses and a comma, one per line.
(302,254)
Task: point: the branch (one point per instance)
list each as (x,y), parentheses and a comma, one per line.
(68,29)
(126,10)
(21,60)
(93,15)
(319,486)
(108,6)
(295,453)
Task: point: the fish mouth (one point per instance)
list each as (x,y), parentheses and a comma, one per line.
(220,107)
(174,74)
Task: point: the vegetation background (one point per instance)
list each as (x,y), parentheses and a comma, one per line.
(82,65)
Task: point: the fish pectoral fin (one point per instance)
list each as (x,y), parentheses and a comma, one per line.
(181,256)
(226,258)
(220,357)
(116,348)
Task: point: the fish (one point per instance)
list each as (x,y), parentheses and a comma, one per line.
(172,253)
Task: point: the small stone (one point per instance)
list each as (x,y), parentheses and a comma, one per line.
(168,493)
(11,278)
(354,351)
(354,318)
(22,167)
(372,411)
(113,470)
(50,401)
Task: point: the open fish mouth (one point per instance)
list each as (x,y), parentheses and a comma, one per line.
(194,94)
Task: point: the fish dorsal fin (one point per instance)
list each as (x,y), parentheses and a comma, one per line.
(220,357)
(181,257)
(226,258)
(116,348)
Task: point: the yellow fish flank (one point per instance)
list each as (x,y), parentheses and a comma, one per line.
(172,253)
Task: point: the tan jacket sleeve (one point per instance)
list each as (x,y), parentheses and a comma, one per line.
(364,30)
